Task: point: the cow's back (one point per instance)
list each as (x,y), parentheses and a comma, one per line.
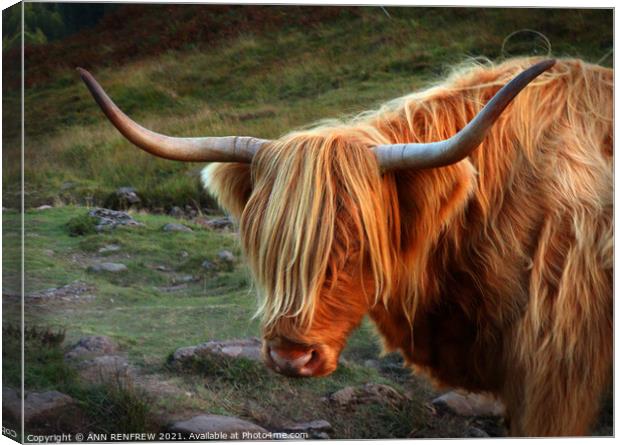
(508,254)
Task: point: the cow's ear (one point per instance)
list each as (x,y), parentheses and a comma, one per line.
(230,184)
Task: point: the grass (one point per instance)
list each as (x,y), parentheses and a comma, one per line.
(218,304)
(271,399)
(150,322)
(337,66)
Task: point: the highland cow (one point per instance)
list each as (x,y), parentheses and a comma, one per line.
(478,240)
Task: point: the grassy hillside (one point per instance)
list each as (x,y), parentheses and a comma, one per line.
(262,71)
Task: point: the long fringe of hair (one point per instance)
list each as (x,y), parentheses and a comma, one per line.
(317,205)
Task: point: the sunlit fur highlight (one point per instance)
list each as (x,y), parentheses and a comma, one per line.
(493,274)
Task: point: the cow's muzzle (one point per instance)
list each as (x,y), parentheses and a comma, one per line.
(297,360)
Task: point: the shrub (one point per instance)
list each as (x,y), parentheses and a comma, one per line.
(82,225)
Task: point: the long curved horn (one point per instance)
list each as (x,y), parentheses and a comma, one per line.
(204,149)
(449,151)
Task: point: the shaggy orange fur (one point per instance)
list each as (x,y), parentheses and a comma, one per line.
(492,274)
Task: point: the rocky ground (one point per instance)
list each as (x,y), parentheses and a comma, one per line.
(99,360)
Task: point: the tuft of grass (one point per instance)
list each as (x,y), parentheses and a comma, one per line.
(44,366)
(82,225)
(117,405)
(238,372)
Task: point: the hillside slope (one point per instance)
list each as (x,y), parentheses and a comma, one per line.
(259,70)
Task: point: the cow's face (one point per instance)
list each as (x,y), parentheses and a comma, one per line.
(315,234)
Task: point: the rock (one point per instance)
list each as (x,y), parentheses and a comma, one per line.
(127,196)
(190,211)
(476,432)
(174,227)
(67,185)
(105,368)
(72,291)
(314,425)
(217,223)
(49,252)
(92,345)
(226,256)
(109,248)
(249,348)
(109,219)
(158,387)
(315,429)
(372,364)
(36,404)
(44,207)
(368,393)
(177,212)
(183,278)
(78,290)
(108,267)
(469,404)
(210,423)
(184,254)
(206,264)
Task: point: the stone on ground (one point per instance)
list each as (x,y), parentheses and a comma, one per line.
(249,348)
(105,368)
(177,212)
(315,429)
(368,393)
(176,227)
(127,196)
(183,279)
(78,290)
(36,404)
(108,267)
(216,223)
(210,423)
(91,346)
(206,264)
(476,432)
(109,248)
(109,219)
(469,404)
(226,256)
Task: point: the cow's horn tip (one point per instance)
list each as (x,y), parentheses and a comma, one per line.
(549,63)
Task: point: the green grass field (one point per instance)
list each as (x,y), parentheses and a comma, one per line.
(254,80)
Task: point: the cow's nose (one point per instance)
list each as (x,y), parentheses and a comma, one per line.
(293,363)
